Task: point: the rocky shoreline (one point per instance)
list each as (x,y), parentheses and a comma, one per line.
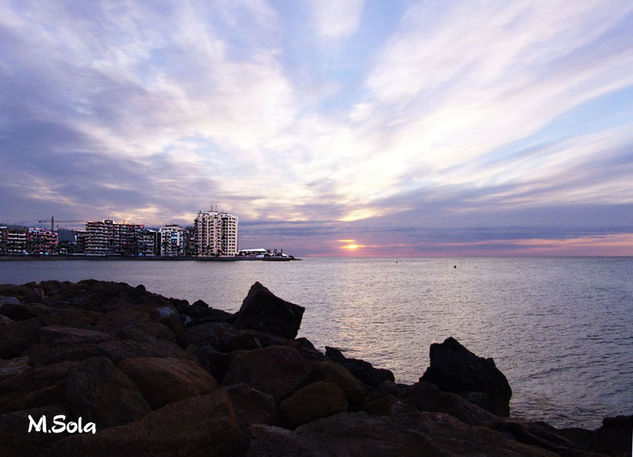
(158,376)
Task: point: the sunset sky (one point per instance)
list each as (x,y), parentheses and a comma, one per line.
(358,128)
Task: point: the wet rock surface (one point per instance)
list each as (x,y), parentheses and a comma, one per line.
(159,376)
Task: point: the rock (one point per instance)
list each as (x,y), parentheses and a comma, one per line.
(612,438)
(539,434)
(99,392)
(427,397)
(200,312)
(170,318)
(351,387)
(410,435)
(35,387)
(212,360)
(12,340)
(222,336)
(307,349)
(196,427)
(67,343)
(163,380)
(359,368)
(15,441)
(14,310)
(262,310)
(615,435)
(251,406)
(275,370)
(271,441)
(13,367)
(455,369)
(8,301)
(388,405)
(320,399)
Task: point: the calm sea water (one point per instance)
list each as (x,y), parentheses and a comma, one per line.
(561,329)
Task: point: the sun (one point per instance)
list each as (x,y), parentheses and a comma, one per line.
(351,246)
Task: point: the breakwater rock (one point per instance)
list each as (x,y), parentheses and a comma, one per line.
(157,376)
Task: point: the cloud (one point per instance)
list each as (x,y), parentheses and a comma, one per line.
(336,20)
(467,115)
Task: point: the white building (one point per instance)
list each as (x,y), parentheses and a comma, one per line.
(172,240)
(216,233)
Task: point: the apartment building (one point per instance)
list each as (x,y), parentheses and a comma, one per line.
(216,233)
(41,241)
(172,240)
(109,238)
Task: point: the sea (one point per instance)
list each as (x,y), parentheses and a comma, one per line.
(560,329)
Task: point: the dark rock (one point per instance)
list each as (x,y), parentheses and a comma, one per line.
(455,369)
(13,367)
(388,405)
(12,340)
(409,435)
(15,441)
(615,435)
(612,438)
(314,401)
(275,370)
(359,368)
(67,343)
(427,397)
(35,387)
(14,310)
(351,387)
(196,427)
(163,380)
(262,310)
(99,392)
(11,301)
(222,336)
(307,349)
(214,361)
(251,406)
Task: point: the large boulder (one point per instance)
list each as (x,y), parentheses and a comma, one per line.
(97,391)
(364,371)
(262,310)
(222,336)
(196,427)
(12,340)
(335,373)
(163,380)
(455,369)
(320,399)
(35,387)
(251,406)
(276,370)
(67,343)
(409,435)
(427,397)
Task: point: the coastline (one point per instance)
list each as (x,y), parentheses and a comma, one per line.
(145,258)
(189,368)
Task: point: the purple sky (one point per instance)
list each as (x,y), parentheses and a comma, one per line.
(403,128)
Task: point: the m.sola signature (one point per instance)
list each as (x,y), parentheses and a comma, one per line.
(60,425)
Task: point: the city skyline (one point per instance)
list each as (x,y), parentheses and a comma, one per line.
(357,128)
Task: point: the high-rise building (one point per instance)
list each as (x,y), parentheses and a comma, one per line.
(172,240)
(110,238)
(216,233)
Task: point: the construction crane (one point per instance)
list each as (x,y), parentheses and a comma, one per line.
(52,221)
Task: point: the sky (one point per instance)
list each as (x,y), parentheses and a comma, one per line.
(347,128)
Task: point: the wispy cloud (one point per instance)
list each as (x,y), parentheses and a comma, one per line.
(466,114)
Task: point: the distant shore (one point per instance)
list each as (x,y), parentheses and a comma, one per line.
(165,258)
